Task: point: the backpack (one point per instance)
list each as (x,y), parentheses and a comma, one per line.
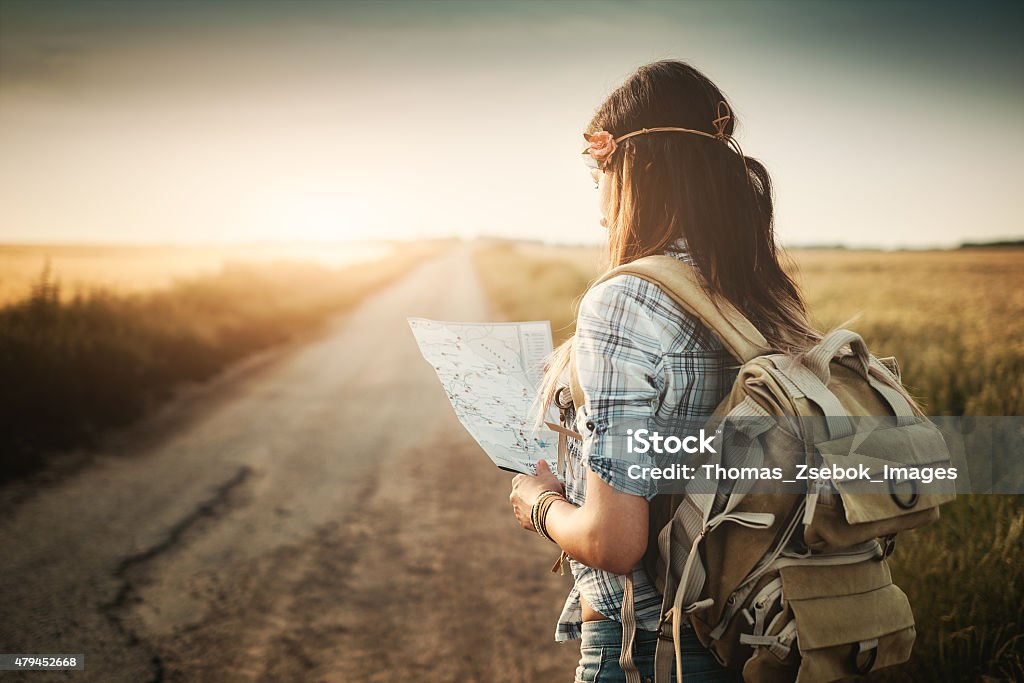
(788,585)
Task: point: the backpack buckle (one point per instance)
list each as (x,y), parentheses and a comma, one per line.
(888,546)
(863,656)
(563,398)
(905,502)
(664,629)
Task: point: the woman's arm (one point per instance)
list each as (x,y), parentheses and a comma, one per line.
(609,531)
(618,353)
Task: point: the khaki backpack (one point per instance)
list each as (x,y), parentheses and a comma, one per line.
(781,585)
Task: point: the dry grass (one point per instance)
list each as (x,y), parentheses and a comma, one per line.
(101,358)
(955,321)
(137,268)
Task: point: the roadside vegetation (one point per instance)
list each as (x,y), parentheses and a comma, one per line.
(74,366)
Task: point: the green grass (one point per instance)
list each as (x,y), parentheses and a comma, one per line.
(955,321)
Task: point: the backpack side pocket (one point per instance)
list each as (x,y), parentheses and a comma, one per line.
(850,619)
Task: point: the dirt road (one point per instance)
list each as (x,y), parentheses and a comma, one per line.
(319,515)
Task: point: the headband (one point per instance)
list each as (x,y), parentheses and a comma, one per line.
(601,145)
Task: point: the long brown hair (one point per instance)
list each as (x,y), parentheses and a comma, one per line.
(666,186)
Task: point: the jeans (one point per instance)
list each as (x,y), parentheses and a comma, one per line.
(602,642)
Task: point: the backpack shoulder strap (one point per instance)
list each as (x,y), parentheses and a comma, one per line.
(680,281)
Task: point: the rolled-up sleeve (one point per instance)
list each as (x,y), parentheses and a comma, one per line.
(618,356)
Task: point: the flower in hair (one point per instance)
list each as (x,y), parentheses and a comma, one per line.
(602,145)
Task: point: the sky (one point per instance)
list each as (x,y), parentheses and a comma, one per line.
(882,124)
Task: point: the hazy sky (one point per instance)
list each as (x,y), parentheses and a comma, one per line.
(882,123)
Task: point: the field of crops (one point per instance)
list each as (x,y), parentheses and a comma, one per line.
(955,321)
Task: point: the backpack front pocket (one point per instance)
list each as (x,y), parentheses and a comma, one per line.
(850,619)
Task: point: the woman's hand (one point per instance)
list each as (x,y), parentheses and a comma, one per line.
(526,489)
(609,531)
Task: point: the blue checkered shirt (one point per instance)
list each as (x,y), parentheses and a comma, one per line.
(641,358)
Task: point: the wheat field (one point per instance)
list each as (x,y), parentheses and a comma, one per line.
(955,322)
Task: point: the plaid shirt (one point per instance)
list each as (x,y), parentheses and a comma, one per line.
(644,360)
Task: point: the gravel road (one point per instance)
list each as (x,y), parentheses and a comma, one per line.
(316,514)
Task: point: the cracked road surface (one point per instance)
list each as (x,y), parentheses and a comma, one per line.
(316,514)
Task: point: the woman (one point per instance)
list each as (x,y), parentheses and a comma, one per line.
(671,180)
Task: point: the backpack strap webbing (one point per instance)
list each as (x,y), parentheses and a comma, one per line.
(575,389)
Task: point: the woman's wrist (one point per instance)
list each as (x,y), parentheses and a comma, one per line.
(539,513)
